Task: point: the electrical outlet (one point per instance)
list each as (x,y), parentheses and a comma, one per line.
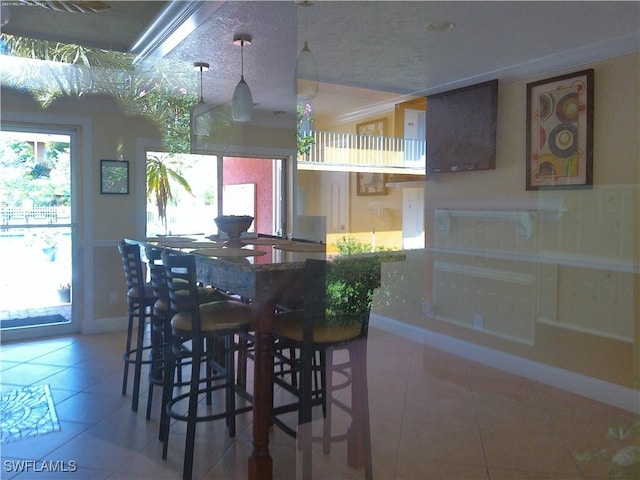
(478,321)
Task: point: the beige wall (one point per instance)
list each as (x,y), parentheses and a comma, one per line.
(566,293)
(553,275)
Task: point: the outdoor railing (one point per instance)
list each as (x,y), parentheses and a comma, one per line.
(35,215)
(350,149)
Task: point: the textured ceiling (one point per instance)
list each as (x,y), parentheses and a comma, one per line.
(113,29)
(381,51)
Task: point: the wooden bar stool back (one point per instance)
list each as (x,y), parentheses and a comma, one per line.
(139,303)
(335,316)
(212,329)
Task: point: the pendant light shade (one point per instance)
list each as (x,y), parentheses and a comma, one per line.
(201,113)
(242,100)
(306,74)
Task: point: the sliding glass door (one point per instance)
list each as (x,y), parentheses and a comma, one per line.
(36,232)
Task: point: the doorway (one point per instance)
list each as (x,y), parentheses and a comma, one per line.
(36,234)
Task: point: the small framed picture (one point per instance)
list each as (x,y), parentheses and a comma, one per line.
(114,177)
(560,132)
(371,183)
(376,127)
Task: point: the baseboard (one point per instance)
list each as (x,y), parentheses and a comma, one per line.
(599,390)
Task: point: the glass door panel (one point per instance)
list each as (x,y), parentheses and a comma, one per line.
(36,232)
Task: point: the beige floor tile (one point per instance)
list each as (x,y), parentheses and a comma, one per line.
(517,474)
(27,374)
(6,365)
(206,455)
(147,465)
(94,452)
(381,382)
(441,442)
(385,439)
(38,448)
(387,406)
(234,464)
(432,409)
(507,389)
(513,416)
(544,453)
(450,386)
(27,351)
(417,469)
(74,378)
(88,407)
(432,416)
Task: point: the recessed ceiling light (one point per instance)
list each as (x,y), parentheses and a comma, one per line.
(439,27)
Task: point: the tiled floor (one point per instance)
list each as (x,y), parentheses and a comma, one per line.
(433,416)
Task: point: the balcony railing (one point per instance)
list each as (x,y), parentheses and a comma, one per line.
(338,150)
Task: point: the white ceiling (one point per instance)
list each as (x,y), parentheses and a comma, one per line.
(380,50)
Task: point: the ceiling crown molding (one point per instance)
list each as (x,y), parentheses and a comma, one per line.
(171,26)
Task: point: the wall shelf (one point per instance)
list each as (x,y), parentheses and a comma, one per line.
(523,213)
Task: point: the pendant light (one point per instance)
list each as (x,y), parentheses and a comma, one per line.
(306,75)
(242,100)
(200,114)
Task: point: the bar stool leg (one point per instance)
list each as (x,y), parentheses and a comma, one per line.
(193,409)
(230,379)
(167,387)
(327,399)
(125,373)
(138,359)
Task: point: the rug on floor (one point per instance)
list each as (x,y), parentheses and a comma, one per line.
(31,321)
(27,412)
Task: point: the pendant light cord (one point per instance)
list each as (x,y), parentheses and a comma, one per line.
(305,23)
(242,59)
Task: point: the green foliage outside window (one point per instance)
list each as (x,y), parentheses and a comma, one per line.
(351,283)
(155,89)
(392,295)
(304,137)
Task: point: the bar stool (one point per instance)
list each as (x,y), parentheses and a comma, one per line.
(335,316)
(160,326)
(139,302)
(159,320)
(209,327)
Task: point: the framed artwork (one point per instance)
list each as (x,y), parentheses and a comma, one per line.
(371,183)
(372,127)
(114,176)
(560,131)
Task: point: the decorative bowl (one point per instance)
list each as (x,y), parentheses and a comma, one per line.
(233,226)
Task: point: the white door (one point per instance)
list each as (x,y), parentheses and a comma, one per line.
(414,129)
(334,196)
(413,218)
